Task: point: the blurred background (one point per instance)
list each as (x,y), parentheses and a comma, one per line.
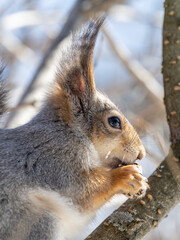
(127,67)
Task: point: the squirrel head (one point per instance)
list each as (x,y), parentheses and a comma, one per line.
(79,105)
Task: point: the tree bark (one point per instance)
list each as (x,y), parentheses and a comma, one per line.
(137,218)
(171,70)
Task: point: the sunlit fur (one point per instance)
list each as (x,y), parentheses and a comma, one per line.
(114,143)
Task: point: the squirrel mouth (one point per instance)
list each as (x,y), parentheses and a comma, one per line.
(116,163)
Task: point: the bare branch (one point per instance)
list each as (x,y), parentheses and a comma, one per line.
(17,48)
(140,74)
(134,219)
(63,33)
(33,17)
(12,109)
(37,80)
(90,7)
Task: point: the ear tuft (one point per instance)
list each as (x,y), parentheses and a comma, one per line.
(76,64)
(74,76)
(84,40)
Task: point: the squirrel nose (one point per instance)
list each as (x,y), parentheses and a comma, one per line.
(141,155)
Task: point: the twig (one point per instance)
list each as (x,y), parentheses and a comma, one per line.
(36,80)
(17,48)
(140,74)
(90,7)
(33,17)
(12,109)
(63,33)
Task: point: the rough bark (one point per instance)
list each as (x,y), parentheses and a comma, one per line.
(137,218)
(171,70)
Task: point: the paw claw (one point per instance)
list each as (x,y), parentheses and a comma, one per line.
(131,182)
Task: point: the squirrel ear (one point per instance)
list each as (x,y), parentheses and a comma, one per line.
(76,82)
(75,73)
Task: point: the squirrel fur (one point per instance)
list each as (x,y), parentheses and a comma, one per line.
(71,158)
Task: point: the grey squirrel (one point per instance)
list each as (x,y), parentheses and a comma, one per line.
(70,159)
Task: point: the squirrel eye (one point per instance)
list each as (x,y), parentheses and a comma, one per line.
(114,122)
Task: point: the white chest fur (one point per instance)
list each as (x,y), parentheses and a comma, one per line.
(68,221)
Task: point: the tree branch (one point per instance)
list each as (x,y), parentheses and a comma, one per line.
(171,70)
(90,7)
(140,74)
(134,219)
(36,81)
(17,48)
(63,33)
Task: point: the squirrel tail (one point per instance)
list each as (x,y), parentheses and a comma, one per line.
(3,94)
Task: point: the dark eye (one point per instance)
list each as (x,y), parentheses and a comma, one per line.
(114,122)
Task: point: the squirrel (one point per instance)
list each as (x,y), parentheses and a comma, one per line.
(71,158)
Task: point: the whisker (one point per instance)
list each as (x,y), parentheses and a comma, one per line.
(133,138)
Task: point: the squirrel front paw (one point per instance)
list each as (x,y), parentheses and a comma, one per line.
(129,181)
